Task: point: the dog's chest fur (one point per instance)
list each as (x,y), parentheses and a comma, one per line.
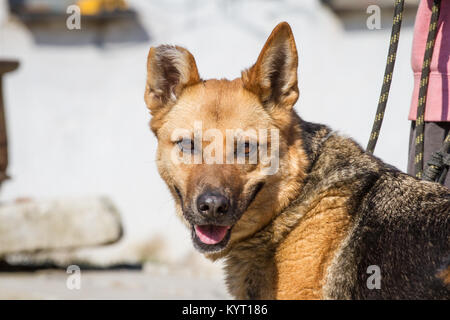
(294,254)
(303,258)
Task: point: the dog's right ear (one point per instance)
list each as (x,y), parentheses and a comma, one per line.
(169,70)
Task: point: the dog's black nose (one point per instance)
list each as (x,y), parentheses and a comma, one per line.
(212,204)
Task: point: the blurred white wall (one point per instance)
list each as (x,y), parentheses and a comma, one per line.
(77,122)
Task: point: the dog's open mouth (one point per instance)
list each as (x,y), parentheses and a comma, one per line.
(210,238)
(211,234)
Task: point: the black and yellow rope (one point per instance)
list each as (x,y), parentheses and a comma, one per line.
(439,164)
(424,79)
(395,37)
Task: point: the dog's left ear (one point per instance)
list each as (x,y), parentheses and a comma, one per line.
(273,78)
(169,70)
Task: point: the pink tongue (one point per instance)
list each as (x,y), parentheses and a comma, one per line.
(210,234)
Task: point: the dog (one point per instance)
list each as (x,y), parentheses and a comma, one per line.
(327,221)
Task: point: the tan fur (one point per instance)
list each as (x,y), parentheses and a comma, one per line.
(303,258)
(445,276)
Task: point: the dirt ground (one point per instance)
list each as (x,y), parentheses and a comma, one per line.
(126,284)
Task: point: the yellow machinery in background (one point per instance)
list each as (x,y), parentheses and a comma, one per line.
(96,7)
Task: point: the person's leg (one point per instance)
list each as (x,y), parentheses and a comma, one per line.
(412,149)
(435,133)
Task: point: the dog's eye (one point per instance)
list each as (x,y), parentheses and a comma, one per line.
(186,145)
(245,149)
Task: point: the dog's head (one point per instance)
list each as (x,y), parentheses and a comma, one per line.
(228,150)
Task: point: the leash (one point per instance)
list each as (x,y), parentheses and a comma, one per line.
(438,165)
(424,79)
(390,63)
